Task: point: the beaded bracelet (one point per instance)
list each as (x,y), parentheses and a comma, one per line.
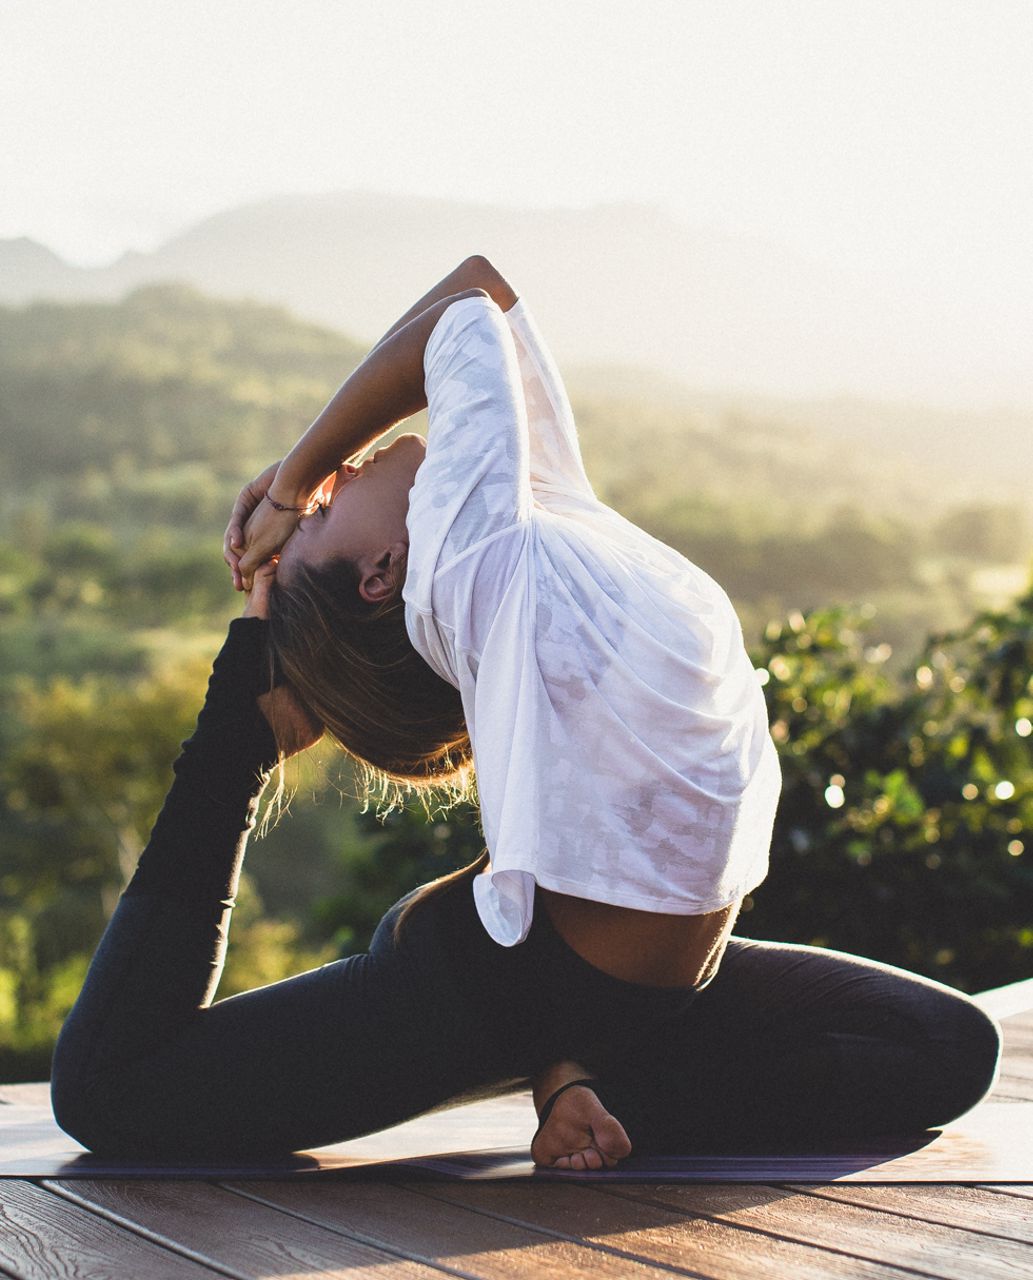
(282,506)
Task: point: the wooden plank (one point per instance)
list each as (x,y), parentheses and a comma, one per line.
(1016,1066)
(1017,1031)
(31,1095)
(450,1234)
(674,1238)
(238,1235)
(1007,1001)
(1016,1078)
(1016,1189)
(972,1208)
(930,1248)
(1016,1087)
(1021,1020)
(43,1237)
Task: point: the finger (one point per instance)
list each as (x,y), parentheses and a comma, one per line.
(233,538)
(247,564)
(243,508)
(233,560)
(258,597)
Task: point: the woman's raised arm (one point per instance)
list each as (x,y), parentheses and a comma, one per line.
(385,389)
(475,272)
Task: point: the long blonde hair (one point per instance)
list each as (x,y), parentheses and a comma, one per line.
(353,664)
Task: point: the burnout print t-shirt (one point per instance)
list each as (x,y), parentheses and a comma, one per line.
(619,731)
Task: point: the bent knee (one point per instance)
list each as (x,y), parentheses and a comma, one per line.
(88,1110)
(76,1113)
(969,1056)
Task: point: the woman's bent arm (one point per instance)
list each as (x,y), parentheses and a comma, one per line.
(386,388)
(475,272)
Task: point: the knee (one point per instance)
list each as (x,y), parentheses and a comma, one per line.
(70,1101)
(969,1044)
(79,1108)
(72,1110)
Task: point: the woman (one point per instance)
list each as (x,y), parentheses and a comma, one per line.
(474,602)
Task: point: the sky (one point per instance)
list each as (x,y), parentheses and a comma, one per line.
(887,135)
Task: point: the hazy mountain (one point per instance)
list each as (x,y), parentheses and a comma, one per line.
(613,283)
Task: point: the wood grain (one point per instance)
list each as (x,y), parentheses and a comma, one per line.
(931,1248)
(665,1235)
(1017,1066)
(42,1237)
(1015,1088)
(1015,1189)
(1023,1021)
(450,1234)
(248,1238)
(972,1208)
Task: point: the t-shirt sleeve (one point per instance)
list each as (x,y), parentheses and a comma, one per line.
(556,467)
(474,482)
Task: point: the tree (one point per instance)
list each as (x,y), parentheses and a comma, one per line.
(902,832)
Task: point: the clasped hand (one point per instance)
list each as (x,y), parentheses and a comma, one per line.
(257,532)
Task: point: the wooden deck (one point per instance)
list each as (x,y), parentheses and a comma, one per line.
(143,1230)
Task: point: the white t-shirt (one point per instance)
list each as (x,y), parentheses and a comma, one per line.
(620,735)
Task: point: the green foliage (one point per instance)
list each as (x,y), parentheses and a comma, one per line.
(903,829)
(166,376)
(126,430)
(903,832)
(984,531)
(404,849)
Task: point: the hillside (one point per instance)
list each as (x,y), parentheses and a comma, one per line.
(126,429)
(138,420)
(611,284)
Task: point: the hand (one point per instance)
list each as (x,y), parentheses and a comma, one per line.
(265,529)
(247,500)
(257,604)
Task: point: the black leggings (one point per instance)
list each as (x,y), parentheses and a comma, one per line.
(787,1044)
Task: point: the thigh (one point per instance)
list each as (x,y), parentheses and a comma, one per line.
(327,1055)
(796,1043)
(773,991)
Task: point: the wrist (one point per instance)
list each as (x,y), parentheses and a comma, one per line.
(293,488)
(302,508)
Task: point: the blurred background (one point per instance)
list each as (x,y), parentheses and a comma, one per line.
(781,252)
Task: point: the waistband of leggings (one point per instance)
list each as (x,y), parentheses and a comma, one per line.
(552,953)
(464,946)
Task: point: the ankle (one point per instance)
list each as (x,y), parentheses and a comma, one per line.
(555,1077)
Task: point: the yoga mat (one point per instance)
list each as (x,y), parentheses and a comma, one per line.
(488,1140)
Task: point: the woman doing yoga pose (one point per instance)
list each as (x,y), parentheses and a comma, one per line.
(463,605)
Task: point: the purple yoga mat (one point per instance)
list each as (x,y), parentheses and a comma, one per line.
(488,1140)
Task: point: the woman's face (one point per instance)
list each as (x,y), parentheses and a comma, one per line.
(365,517)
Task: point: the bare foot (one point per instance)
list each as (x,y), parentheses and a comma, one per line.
(580,1133)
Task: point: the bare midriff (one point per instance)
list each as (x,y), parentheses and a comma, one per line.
(646,947)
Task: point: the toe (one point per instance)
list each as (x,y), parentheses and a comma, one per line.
(611,1139)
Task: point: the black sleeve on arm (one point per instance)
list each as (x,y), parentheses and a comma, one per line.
(197,843)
